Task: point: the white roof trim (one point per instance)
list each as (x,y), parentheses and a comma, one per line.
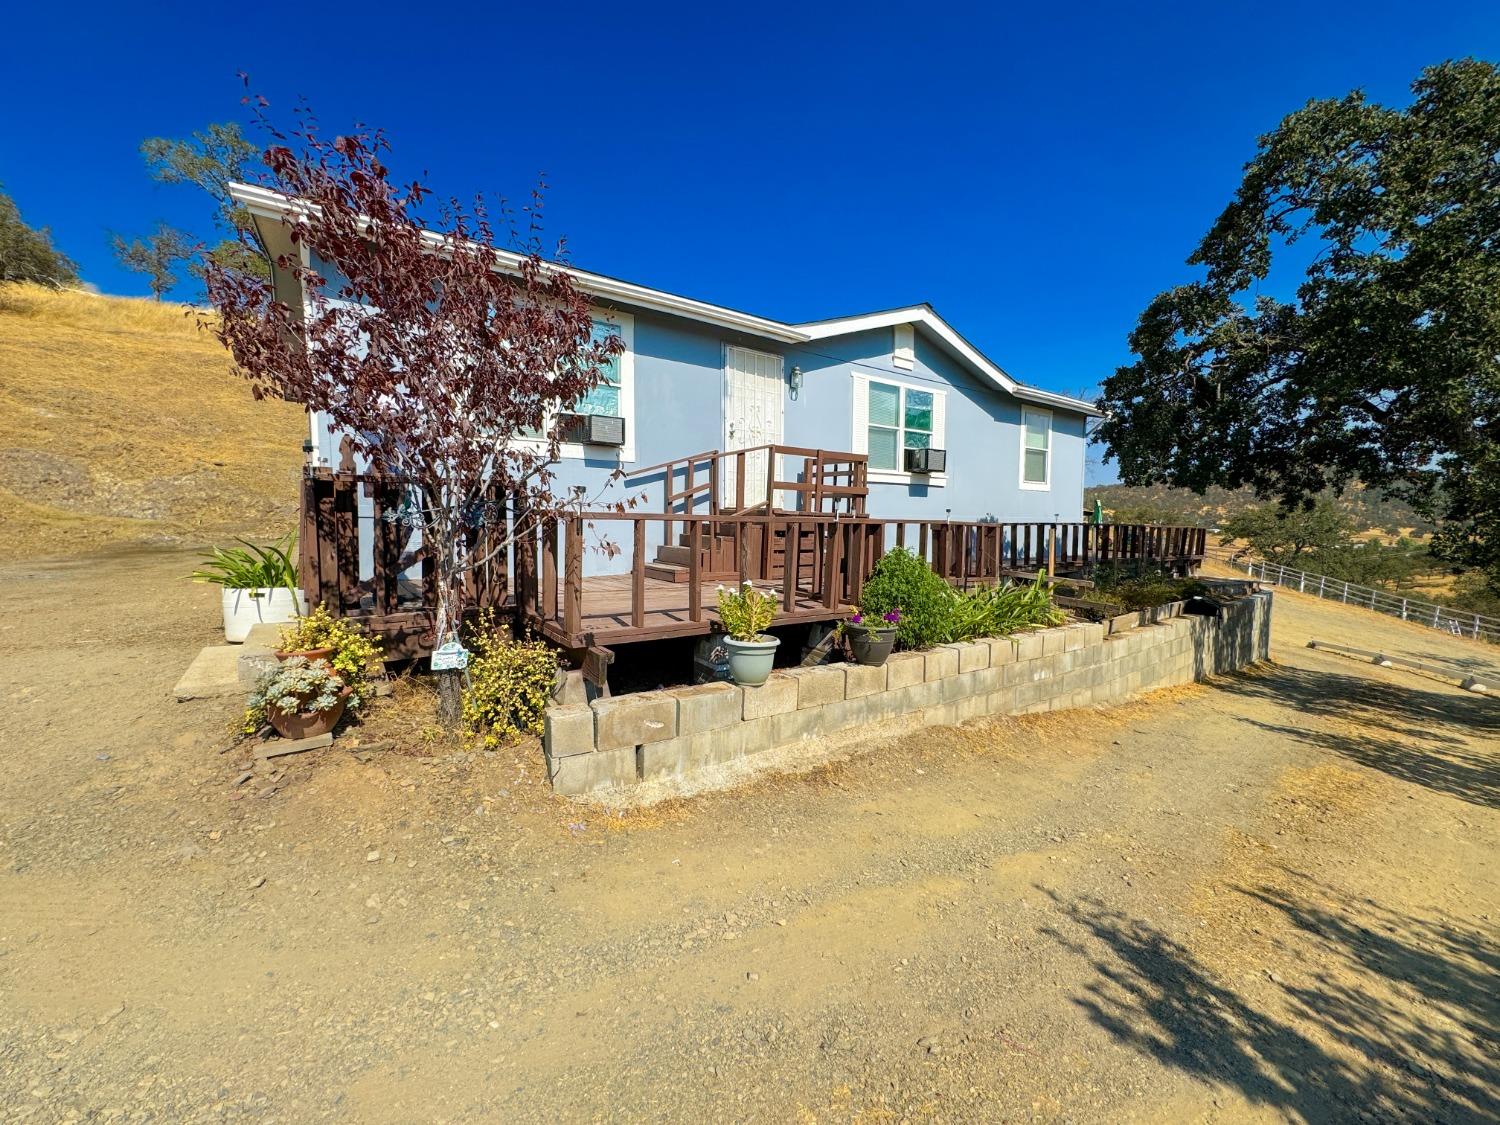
(924,316)
(265,203)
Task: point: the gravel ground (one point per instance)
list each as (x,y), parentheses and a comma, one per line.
(1272,897)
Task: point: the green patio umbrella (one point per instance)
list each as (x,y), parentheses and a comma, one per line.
(1098,512)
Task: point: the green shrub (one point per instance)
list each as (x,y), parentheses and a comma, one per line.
(997,611)
(251,567)
(901,581)
(510,684)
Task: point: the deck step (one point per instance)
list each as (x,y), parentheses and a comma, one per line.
(675,554)
(670,572)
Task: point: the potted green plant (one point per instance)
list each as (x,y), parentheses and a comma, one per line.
(746,613)
(258,584)
(346,645)
(300,698)
(871,638)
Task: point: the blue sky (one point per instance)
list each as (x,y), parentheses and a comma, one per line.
(1036,175)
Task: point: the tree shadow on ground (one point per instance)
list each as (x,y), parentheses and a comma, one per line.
(1442,728)
(1397,1022)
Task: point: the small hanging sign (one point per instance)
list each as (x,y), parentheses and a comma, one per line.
(450,657)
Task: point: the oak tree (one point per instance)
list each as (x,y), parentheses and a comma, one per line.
(1383,365)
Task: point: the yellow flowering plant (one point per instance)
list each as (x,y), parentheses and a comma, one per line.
(510,685)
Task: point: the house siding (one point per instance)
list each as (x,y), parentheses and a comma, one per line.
(678,410)
(983,437)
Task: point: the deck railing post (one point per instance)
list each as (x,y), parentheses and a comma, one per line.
(831,567)
(791,555)
(695,574)
(638,576)
(739,481)
(573,575)
(549,569)
(1051,549)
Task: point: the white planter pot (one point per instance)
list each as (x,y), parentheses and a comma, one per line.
(246,608)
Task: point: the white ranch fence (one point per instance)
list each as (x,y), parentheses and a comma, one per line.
(1442,617)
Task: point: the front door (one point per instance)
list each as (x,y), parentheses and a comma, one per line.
(752,417)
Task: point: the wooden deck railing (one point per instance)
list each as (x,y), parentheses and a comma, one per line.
(366,561)
(831,558)
(361,553)
(829,481)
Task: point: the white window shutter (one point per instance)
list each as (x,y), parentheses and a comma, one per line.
(904,355)
(940,419)
(860,442)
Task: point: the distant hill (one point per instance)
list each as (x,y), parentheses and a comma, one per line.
(1371,511)
(122,423)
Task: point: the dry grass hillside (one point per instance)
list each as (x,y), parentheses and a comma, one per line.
(121,423)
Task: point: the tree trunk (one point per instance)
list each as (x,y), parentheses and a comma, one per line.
(450,689)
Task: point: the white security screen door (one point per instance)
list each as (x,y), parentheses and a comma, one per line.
(752,416)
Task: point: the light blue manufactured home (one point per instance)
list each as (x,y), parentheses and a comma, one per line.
(948,433)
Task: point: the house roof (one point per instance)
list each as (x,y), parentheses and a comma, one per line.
(265,204)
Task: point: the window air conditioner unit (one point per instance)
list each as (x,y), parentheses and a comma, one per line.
(926,460)
(593,429)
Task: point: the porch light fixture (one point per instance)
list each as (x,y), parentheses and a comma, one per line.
(794,380)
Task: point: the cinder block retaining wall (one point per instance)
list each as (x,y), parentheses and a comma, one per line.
(627,739)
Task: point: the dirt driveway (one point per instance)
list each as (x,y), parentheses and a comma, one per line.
(1273,897)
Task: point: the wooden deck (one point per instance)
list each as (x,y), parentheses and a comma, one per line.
(361,556)
(607,610)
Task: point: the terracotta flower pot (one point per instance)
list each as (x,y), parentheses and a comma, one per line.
(311,654)
(308,724)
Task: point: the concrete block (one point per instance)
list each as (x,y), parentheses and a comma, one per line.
(588,773)
(972,656)
(265,634)
(987,680)
(1002,650)
(688,754)
(864,680)
(634,720)
(253,663)
(1074,638)
(708,707)
(1053,640)
(971,707)
(214,673)
(758,735)
(777,695)
(818,686)
(799,725)
(958,687)
(1094,633)
(902,669)
(1029,646)
(941,661)
(1002,702)
(568,730)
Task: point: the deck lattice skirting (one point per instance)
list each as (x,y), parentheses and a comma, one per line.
(622,741)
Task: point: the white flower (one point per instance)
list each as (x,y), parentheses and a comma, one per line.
(747,582)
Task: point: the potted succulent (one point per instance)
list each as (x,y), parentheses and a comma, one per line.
(746,613)
(300,698)
(258,584)
(346,645)
(870,638)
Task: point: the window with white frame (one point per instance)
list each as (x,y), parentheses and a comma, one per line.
(892,417)
(1036,448)
(613,395)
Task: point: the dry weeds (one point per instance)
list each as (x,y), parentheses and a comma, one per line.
(122,423)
